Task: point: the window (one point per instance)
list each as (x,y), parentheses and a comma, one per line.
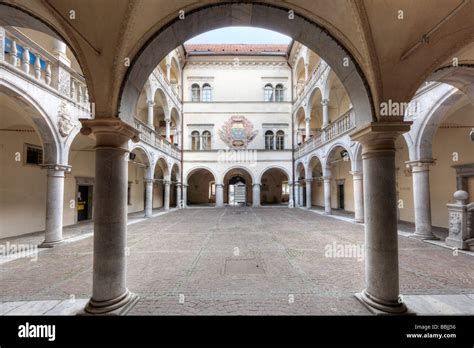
(280,140)
(279,93)
(34,154)
(212,189)
(195,141)
(206,93)
(285,189)
(129,193)
(268,93)
(269,140)
(206,140)
(195,93)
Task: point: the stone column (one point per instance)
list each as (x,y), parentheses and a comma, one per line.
(358,196)
(308,193)
(291,201)
(325,103)
(54,205)
(168,72)
(308,128)
(148,198)
(168,129)
(297,194)
(150,115)
(381,239)
(327,194)
(166,203)
(306,72)
(185,196)
(301,194)
(421,198)
(109,290)
(256,195)
(178,196)
(219,195)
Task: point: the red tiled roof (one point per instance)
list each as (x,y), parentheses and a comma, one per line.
(237,49)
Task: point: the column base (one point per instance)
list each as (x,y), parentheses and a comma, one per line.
(46,244)
(381,307)
(422,236)
(359,221)
(118,306)
(467,244)
(328,213)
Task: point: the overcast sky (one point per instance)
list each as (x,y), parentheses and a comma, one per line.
(240,35)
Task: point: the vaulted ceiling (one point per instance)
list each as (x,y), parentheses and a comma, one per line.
(381,35)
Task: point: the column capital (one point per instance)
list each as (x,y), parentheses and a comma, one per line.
(256,184)
(420,165)
(309,180)
(325,102)
(219,185)
(57,167)
(149,181)
(356,174)
(109,132)
(166,182)
(150,103)
(380,136)
(326,178)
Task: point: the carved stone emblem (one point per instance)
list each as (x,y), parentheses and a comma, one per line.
(65,123)
(237,132)
(455,223)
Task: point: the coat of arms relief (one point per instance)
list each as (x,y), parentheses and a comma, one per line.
(237,132)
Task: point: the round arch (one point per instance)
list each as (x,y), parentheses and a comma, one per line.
(283,169)
(238,167)
(163,165)
(40,122)
(329,154)
(193,170)
(261,15)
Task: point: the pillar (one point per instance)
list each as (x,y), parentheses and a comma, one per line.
(381,236)
(306,72)
(54,205)
(148,198)
(297,194)
(219,195)
(358,196)
(327,194)
(179,199)
(308,128)
(421,199)
(109,290)
(256,195)
(291,201)
(168,72)
(301,194)
(166,203)
(185,196)
(308,193)
(168,129)
(150,115)
(325,103)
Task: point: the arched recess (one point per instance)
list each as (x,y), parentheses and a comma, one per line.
(160,111)
(338,166)
(271,17)
(274,185)
(300,126)
(175,178)
(201,188)
(299,76)
(139,164)
(28,141)
(339,101)
(160,174)
(237,174)
(315,101)
(175,125)
(315,173)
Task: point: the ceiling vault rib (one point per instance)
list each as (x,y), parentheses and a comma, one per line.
(96,50)
(425,38)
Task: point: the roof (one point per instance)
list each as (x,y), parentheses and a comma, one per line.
(236,49)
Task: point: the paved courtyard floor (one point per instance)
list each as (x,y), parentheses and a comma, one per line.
(240,261)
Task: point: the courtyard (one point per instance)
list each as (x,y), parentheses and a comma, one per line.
(237,261)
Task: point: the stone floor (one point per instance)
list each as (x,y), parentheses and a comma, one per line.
(238,261)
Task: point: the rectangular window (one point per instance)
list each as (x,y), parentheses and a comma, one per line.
(34,154)
(129,193)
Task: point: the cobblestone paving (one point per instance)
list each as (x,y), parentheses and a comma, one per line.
(204,261)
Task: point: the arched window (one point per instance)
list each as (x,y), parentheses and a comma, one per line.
(206,93)
(195,141)
(206,140)
(195,92)
(268,93)
(279,93)
(269,140)
(280,140)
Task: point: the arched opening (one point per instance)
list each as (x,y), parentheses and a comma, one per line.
(317,190)
(338,164)
(238,187)
(300,185)
(138,166)
(275,189)
(316,113)
(300,76)
(161,175)
(300,127)
(201,189)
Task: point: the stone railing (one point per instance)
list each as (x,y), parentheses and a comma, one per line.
(41,67)
(170,91)
(339,127)
(152,138)
(313,79)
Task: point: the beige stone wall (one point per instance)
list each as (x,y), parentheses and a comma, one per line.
(136,175)
(340,171)
(404,182)
(22,187)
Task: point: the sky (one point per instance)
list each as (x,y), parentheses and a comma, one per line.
(240,35)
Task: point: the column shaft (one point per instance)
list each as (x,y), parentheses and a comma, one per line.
(256,195)
(219,195)
(166,203)
(325,103)
(308,193)
(148,198)
(179,199)
(327,195)
(150,115)
(358,196)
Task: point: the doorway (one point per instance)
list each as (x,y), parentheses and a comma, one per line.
(340,196)
(84,202)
